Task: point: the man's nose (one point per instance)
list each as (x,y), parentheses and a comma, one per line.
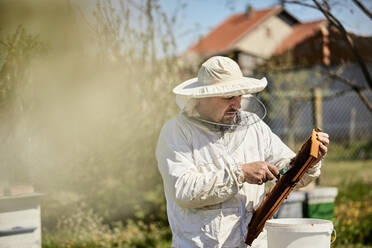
(235,102)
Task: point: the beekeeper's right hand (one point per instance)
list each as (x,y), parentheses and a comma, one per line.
(259,172)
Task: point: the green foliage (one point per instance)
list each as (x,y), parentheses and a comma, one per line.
(353,214)
(110,160)
(360,149)
(91,118)
(18,51)
(354,191)
(85,229)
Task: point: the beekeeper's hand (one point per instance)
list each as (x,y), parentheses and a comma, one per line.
(259,172)
(323,147)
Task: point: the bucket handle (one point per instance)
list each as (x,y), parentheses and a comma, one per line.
(334,230)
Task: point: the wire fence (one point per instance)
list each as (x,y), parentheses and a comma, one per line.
(342,114)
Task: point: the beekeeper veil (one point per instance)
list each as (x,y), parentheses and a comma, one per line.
(221,77)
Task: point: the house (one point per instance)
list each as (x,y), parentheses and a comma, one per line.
(252,37)
(255,36)
(257,39)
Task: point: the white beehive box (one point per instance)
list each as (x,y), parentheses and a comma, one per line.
(292,206)
(20,225)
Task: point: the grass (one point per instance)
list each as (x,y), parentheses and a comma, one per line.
(353,216)
(353,211)
(338,173)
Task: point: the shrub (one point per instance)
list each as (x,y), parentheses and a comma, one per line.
(353,214)
(84,229)
(353,222)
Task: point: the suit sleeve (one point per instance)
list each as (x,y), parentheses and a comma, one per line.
(183,182)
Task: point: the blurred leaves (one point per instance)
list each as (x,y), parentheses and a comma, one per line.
(84,228)
(92,109)
(103,121)
(18,51)
(353,214)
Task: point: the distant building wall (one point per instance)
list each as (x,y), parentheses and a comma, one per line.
(248,63)
(265,38)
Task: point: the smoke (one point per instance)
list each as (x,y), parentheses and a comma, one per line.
(83,122)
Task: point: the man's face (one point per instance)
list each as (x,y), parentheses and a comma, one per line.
(219,109)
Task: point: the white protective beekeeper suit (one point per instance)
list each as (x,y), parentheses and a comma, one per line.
(208,202)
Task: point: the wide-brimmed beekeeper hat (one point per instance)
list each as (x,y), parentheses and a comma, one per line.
(218,76)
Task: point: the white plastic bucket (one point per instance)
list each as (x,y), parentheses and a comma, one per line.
(299,232)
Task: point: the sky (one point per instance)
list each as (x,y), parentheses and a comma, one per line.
(200,16)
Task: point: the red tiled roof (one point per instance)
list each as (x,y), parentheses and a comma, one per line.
(228,32)
(300,32)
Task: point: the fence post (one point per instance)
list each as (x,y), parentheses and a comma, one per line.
(317,107)
(352,126)
(317,113)
(291,120)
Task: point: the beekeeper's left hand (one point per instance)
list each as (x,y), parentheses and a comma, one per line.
(323,148)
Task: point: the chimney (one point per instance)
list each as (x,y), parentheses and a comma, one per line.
(326,52)
(249,10)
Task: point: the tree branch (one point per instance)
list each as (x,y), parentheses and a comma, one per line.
(332,19)
(298,2)
(363,8)
(353,86)
(337,94)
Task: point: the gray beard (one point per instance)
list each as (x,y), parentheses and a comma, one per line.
(232,128)
(223,127)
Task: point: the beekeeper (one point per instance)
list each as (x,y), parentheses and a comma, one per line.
(214,158)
